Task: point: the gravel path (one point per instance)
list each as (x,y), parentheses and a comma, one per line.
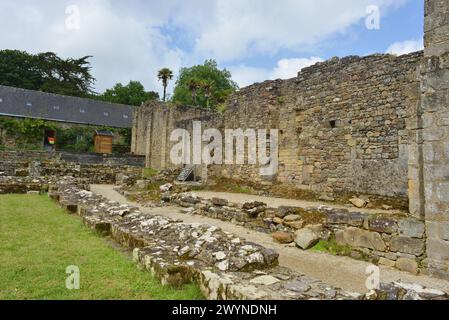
(341,272)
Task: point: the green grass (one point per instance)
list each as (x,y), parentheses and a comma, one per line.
(38,241)
(149,172)
(332,247)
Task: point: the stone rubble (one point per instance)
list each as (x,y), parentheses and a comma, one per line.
(225,266)
(392,240)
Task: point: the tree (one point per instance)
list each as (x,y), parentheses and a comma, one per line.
(193,85)
(46,72)
(208,87)
(19,69)
(133,94)
(165,75)
(213,85)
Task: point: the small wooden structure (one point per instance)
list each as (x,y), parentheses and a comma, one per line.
(103,141)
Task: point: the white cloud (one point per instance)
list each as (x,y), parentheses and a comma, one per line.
(245,76)
(400,48)
(285,69)
(288,68)
(129,40)
(125,46)
(244,28)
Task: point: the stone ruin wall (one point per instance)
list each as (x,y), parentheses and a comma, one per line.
(432,137)
(154,124)
(343,125)
(374,125)
(25,169)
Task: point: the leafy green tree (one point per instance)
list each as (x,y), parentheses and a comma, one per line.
(68,77)
(165,75)
(46,72)
(204,85)
(133,94)
(19,69)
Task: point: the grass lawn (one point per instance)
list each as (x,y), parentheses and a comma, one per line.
(38,241)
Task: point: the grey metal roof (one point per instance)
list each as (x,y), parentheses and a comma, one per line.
(18,102)
(104,133)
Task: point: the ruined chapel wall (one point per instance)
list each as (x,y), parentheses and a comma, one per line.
(154,124)
(344,125)
(254,107)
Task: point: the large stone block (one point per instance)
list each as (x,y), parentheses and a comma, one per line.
(283,237)
(384,225)
(307,237)
(356,237)
(284,211)
(438,249)
(438,230)
(434,134)
(411,228)
(354,219)
(437,268)
(220,202)
(408,265)
(407,245)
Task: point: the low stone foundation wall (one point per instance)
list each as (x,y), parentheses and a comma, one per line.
(392,240)
(22,185)
(224,265)
(96,168)
(75,157)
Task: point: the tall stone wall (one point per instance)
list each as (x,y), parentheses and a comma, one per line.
(433,136)
(154,123)
(343,125)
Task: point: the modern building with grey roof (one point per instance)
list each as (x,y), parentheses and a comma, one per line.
(15,102)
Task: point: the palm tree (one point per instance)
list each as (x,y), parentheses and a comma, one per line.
(193,85)
(208,87)
(165,75)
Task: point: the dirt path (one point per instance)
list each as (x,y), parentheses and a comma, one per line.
(341,272)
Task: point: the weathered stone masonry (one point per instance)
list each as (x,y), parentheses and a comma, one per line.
(343,125)
(22,171)
(433,136)
(375,125)
(224,265)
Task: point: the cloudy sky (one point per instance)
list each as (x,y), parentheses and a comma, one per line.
(255,39)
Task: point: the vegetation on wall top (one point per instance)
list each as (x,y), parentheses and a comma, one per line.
(204,85)
(132,94)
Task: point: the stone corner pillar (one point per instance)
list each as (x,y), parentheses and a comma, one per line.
(434,117)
